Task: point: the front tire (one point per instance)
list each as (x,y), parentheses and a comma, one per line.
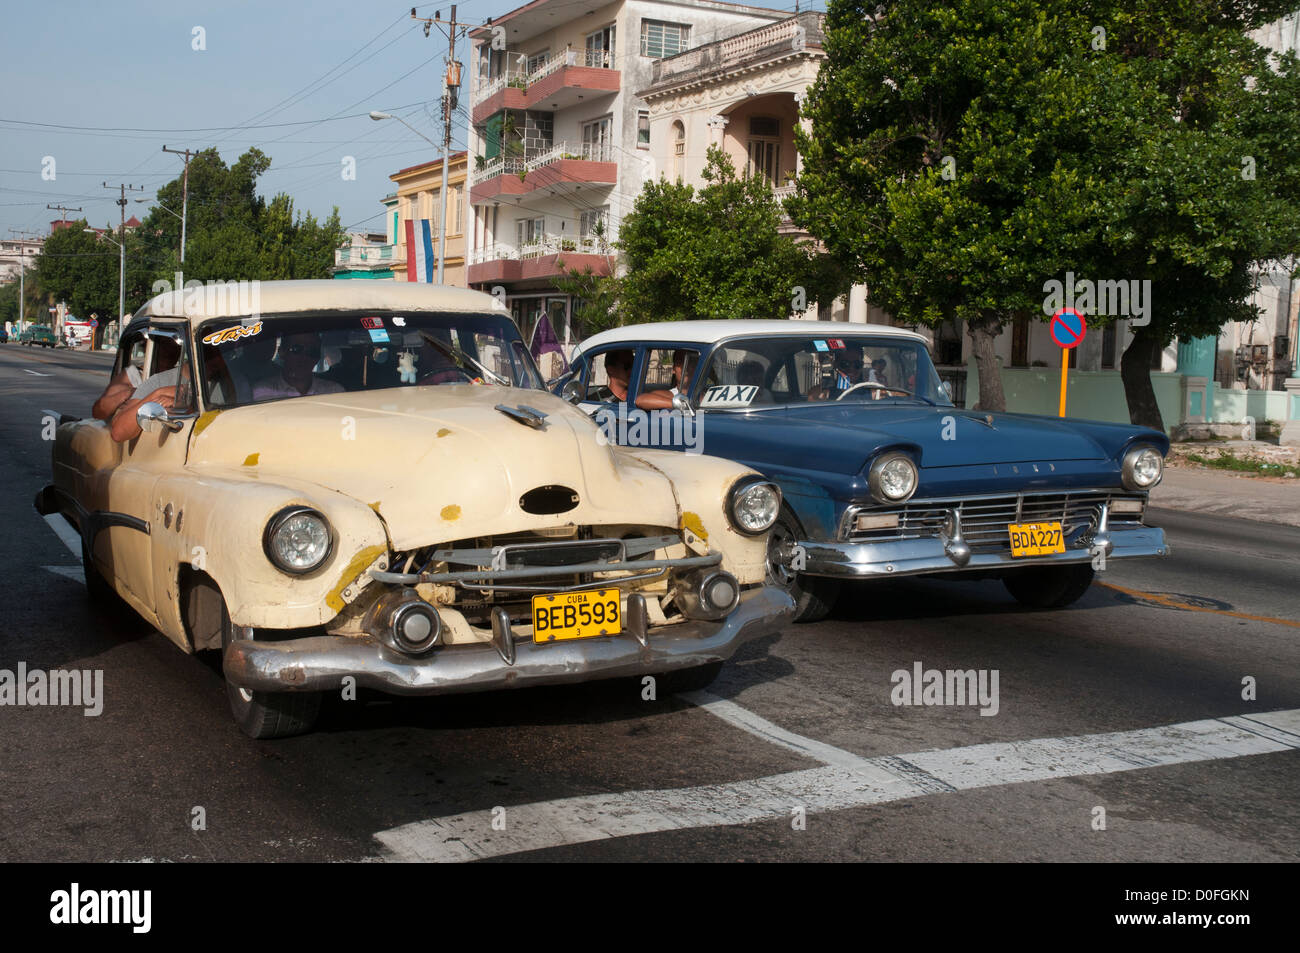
(814,596)
(1049,587)
(262,715)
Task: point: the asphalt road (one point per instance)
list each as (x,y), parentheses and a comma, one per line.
(796,753)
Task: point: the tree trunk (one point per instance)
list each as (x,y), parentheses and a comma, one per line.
(1135,370)
(982,332)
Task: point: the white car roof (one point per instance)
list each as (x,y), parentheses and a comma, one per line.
(237,299)
(710,332)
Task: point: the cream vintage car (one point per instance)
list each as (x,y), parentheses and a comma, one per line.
(369,480)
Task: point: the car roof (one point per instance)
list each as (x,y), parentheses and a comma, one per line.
(240,299)
(710,332)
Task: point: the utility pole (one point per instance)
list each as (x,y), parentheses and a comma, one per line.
(63,211)
(22,274)
(450,95)
(185,193)
(121,247)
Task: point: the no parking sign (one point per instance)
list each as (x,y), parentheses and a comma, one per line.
(1068,329)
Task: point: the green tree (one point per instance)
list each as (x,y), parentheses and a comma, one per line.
(79,268)
(964,154)
(715,253)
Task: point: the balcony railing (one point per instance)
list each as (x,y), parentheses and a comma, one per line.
(541,247)
(514,75)
(501,165)
(798,32)
(355,255)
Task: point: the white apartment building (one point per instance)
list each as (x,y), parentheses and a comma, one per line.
(17,254)
(559,142)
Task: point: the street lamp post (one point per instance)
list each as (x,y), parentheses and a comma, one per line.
(121,276)
(442,213)
(180,216)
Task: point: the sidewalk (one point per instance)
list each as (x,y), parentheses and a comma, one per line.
(1267,499)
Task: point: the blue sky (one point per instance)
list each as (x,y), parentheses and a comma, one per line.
(115,82)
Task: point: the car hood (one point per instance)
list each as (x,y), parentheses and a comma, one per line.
(438,463)
(945,436)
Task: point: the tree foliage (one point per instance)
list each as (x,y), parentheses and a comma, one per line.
(232,234)
(965,153)
(715,253)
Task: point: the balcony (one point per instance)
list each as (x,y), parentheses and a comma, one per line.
(776,41)
(560,82)
(548,257)
(562,168)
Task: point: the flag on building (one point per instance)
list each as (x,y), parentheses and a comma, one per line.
(419,250)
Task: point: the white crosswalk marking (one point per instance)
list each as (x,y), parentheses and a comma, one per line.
(849,783)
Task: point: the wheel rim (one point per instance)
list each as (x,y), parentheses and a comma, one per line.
(780,549)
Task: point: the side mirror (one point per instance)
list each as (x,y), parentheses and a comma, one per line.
(152,417)
(682,405)
(571,391)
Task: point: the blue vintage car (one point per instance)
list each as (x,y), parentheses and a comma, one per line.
(881,475)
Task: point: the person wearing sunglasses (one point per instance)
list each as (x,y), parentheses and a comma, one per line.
(299,354)
(848,369)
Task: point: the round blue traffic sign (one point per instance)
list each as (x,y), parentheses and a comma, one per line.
(1068,327)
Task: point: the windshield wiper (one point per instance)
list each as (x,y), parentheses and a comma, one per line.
(457,355)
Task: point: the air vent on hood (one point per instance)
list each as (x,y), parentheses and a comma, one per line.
(549,499)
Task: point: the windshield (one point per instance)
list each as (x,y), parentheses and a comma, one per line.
(765,371)
(251,360)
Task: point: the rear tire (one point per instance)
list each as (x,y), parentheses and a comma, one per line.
(814,596)
(263,715)
(1049,587)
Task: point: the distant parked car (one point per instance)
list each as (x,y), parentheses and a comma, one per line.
(4,336)
(880,474)
(38,334)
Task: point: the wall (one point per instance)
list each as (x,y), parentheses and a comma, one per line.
(1230,406)
(1091,395)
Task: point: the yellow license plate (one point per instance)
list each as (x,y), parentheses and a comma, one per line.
(576,615)
(1036,539)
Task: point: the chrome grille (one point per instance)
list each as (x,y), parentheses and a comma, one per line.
(984,519)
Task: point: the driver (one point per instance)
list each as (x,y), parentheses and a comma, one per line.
(300,352)
(849,371)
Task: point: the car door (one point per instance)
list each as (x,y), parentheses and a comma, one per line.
(134,519)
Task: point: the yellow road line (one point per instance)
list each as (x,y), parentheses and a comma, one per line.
(1172,603)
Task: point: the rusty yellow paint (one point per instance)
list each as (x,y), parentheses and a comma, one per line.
(251,459)
(693,522)
(442,432)
(334,598)
(374,506)
(204,419)
(450,513)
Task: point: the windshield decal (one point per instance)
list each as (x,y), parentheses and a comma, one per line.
(820,345)
(729,395)
(376,324)
(233,333)
(378,335)
(835,343)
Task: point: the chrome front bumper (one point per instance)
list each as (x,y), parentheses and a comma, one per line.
(910,557)
(320,664)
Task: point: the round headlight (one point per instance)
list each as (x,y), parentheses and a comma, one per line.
(754,505)
(892,478)
(297,539)
(1142,468)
